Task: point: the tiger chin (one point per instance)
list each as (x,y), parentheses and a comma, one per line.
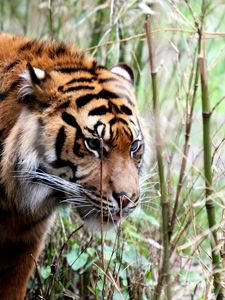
(69,134)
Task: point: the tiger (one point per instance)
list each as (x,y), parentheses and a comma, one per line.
(70,133)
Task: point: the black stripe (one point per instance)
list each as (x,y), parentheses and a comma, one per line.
(60,49)
(69,119)
(110,79)
(104,94)
(11,65)
(131,134)
(76,88)
(60,140)
(39,50)
(91,188)
(115,107)
(99,111)
(57,49)
(126,110)
(3,96)
(80,79)
(83,100)
(116,120)
(60,163)
(73,70)
(13,85)
(77,150)
(128,132)
(27,46)
(99,67)
(64,105)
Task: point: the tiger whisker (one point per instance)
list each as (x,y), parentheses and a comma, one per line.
(85,216)
(81,206)
(52,181)
(146,200)
(74,199)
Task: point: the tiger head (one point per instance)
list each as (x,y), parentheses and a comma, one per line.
(80,128)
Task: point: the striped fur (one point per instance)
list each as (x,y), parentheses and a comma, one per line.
(62,116)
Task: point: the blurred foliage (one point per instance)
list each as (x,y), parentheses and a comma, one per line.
(113,31)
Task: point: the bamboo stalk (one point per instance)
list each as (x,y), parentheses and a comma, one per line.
(164,276)
(2,14)
(210,206)
(51,30)
(26,19)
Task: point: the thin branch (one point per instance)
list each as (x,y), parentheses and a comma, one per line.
(102,212)
(207,34)
(217,104)
(55,263)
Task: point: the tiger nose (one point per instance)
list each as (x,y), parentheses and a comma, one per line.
(122,199)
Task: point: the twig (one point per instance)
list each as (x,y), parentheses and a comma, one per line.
(207,34)
(217,104)
(55,263)
(164,276)
(38,277)
(102,212)
(188,121)
(216,149)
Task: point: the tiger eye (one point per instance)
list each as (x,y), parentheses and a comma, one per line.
(135,146)
(94,144)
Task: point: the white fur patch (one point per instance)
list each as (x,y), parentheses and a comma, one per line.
(29,160)
(100,129)
(121,71)
(25,75)
(26,88)
(38,72)
(28,153)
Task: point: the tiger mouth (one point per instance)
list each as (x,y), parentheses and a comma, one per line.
(110,215)
(112,218)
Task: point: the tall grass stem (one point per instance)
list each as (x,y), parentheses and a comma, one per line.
(209,204)
(164,274)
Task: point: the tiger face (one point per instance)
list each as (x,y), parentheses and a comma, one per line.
(77,134)
(89,134)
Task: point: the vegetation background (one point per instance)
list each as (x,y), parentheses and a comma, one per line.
(113,31)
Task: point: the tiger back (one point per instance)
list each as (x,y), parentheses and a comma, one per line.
(69,133)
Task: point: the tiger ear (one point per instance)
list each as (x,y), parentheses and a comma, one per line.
(33,78)
(124,71)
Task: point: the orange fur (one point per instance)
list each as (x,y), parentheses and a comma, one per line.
(58,109)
